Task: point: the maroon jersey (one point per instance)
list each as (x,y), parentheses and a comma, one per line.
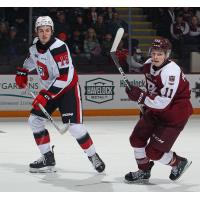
(168,93)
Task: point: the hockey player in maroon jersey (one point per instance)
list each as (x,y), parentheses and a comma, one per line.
(52,61)
(167,108)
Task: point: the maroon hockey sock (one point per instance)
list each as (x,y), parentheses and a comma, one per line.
(143,163)
(175,160)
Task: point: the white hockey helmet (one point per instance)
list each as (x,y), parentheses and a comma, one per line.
(44,21)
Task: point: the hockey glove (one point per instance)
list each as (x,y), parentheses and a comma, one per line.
(136,94)
(21,78)
(42,98)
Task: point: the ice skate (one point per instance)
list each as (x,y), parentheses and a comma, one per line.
(45,164)
(178,170)
(139,176)
(97,163)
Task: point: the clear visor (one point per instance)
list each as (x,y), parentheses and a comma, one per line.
(167,52)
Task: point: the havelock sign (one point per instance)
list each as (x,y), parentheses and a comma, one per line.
(99,90)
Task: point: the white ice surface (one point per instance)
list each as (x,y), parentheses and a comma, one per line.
(74,171)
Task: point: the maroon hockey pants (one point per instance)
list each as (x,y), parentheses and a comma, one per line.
(157,139)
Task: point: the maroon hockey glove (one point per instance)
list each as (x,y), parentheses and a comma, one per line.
(136,94)
(21,78)
(42,98)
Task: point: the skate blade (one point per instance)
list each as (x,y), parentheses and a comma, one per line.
(141,182)
(186,167)
(49,169)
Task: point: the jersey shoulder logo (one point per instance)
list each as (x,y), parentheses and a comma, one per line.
(171,80)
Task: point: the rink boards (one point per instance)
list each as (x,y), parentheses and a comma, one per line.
(101,95)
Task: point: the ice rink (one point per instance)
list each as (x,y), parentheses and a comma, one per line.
(74,171)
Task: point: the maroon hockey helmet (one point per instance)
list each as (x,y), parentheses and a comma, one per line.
(161,44)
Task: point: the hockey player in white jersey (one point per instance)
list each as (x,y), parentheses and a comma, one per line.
(167,108)
(59,80)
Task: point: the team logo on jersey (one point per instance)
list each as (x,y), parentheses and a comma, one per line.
(42,70)
(99,90)
(171,80)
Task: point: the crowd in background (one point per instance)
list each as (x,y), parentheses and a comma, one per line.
(181,26)
(89,33)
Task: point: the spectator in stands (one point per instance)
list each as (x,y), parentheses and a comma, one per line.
(61,24)
(108,14)
(102,11)
(4,30)
(197,13)
(179,32)
(16,45)
(194,30)
(116,23)
(63,36)
(13,42)
(80,25)
(192,43)
(187,14)
(18,17)
(107,44)
(122,54)
(135,61)
(100,27)
(91,16)
(164,18)
(171,13)
(76,43)
(180,28)
(91,44)
(73,13)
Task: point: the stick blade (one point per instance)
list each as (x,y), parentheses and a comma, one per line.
(118,37)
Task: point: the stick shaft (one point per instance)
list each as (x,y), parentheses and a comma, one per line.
(116,42)
(61,131)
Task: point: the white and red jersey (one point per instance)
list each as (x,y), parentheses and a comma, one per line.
(54,66)
(168,93)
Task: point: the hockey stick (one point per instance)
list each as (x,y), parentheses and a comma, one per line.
(113,50)
(60,130)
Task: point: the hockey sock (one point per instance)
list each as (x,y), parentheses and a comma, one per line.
(141,158)
(86,144)
(79,132)
(175,160)
(143,163)
(42,139)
